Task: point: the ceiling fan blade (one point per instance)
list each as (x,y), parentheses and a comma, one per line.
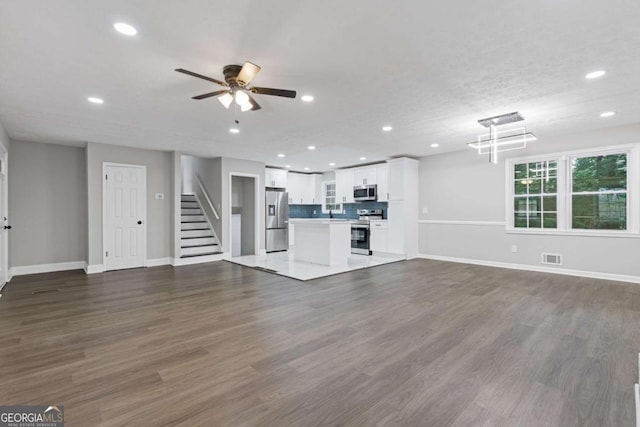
(210,94)
(275,92)
(255,105)
(247,73)
(200,76)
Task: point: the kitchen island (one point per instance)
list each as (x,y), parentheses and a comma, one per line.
(322,241)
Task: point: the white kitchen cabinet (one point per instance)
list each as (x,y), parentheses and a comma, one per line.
(304,189)
(295,187)
(396,180)
(382,179)
(315,189)
(344,185)
(275,178)
(396,228)
(402,212)
(365,176)
(379,236)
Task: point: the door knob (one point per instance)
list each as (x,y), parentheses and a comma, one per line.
(7,227)
(139,222)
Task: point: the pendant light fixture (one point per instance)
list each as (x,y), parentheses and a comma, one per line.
(502,138)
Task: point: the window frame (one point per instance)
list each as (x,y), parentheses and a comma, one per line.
(565,193)
(542,194)
(325,184)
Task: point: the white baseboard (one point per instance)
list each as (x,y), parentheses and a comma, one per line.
(564,271)
(262,252)
(93,268)
(176,262)
(46,268)
(157,262)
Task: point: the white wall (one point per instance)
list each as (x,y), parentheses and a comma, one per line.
(461,188)
(159,212)
(47,204)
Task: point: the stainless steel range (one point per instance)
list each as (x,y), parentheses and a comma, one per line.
(361,231)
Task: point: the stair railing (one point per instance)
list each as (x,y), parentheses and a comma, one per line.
(207,206)
(206,195)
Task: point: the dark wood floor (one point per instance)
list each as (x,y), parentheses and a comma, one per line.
(419,343)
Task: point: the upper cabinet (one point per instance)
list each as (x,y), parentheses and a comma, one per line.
(304,189)
(382,179)
(344,185)
(365,176)
(346,179)
(275,178)
(403,178)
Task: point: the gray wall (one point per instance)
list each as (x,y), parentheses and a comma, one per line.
(47,203)
(463,186)
(4,138)
(159,212)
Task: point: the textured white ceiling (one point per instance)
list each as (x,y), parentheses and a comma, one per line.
(429,69)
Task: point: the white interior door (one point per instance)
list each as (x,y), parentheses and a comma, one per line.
(4,224)
(124,216)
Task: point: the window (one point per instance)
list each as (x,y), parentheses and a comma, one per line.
(329,198)
(599,192)
(535,189)
(590,192)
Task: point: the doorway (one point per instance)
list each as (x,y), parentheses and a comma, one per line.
(124,216)
(244,214)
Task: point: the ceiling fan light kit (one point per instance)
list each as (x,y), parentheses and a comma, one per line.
(237,79)
(503,139)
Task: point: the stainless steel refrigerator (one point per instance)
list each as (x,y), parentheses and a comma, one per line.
(277,220)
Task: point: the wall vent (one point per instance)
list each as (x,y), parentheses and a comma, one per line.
(553,259)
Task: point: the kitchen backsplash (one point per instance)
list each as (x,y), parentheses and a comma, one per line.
(306,211)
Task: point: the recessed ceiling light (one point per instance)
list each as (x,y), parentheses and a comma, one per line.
(435,145)
(95,100)
(311,147)
(332,164)
(288,166)
(608,114)
(234,130)
(363,159)
(387,128)
(595,74)
(125,29)
(307,98)
(281,155)
(306,169)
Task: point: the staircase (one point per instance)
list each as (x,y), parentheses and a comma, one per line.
(197,238)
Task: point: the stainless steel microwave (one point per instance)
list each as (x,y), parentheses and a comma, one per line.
(365,193)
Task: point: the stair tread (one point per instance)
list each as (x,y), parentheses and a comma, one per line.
(195,229)
(198,246)
(191,222)
(205,254)
(197,237)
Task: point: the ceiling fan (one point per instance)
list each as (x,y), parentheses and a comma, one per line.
(237,79)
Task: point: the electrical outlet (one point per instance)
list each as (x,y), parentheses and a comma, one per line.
(425,211)
(514,249)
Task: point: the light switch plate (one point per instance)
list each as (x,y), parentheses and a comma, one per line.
(159,196)
(425,211)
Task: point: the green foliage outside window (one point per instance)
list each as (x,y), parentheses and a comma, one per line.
(599,192)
